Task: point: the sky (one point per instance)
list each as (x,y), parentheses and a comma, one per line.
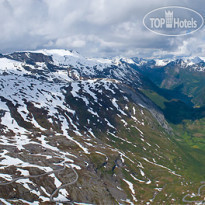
(94,28)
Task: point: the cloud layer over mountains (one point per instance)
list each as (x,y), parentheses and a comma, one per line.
(92,27)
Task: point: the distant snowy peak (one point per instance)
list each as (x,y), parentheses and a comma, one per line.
(190,60)
(83,66)
(196,59)
(57,52)
(152,63)
(192,63)
(63,57)
(159,62)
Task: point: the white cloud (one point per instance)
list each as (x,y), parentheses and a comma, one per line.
(93,27)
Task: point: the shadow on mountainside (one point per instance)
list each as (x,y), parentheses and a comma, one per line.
(176,111)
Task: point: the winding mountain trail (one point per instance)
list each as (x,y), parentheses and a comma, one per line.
(33,176)
(198,194)
(47,173)
(64,185)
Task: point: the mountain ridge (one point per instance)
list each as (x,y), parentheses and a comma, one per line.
(95,117)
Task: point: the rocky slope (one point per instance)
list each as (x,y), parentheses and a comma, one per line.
(59,110)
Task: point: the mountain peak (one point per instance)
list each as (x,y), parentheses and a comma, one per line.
(59,52)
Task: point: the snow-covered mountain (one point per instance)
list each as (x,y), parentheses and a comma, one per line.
(190,63)
(75,129)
